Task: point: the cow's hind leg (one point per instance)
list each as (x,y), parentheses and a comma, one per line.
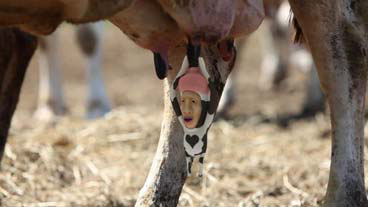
(16,49)
(336,34)
(90,41)
(50,92)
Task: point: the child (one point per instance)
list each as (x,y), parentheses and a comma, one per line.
(193,88)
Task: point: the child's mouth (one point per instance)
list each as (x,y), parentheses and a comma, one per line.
(188,119)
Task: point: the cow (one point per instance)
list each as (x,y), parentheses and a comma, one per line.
(335,32)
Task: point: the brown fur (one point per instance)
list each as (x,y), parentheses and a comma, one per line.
(42,17)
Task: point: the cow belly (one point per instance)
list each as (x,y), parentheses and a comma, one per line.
(147,25)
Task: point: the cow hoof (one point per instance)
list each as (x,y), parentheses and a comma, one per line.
(97,109)
(47,115)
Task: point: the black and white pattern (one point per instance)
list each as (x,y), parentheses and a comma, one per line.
(195,139)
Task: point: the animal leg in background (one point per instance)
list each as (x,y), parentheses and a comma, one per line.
(336,34)
(51,101)
(50,93)
(275,62)
(16,50)
(280,56)
(90,41)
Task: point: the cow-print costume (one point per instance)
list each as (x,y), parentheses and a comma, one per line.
(195,139)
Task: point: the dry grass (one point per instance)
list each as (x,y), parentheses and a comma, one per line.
(104,163)
(79,163)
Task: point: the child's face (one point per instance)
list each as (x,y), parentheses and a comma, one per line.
(191,108)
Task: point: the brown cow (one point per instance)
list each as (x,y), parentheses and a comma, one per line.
(336,32)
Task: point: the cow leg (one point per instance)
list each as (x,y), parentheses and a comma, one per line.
(168,171)
(314,101)
(50,96)
(89,39)
(16,49)
(275,62)
(227,99)
(336,36)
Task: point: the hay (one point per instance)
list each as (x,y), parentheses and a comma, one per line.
(105,163)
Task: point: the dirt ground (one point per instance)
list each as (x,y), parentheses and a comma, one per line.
(105,162)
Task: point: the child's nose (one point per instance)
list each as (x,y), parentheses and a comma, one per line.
(187,108)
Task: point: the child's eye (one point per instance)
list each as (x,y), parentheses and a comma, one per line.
(193,101)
